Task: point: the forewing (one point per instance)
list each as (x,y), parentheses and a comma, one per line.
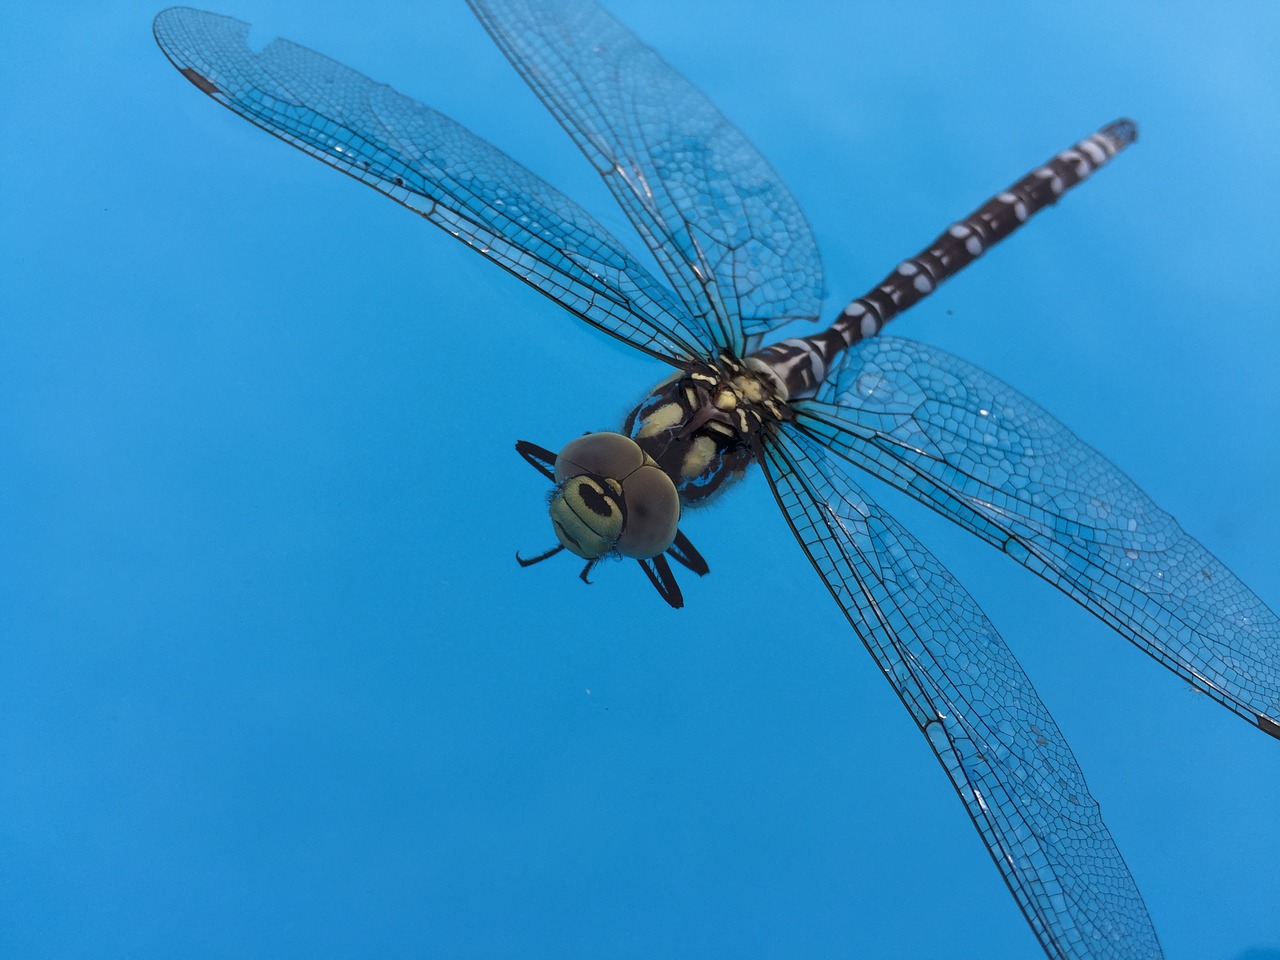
(982,454)
(1004,754)
(437,168)
(726,231)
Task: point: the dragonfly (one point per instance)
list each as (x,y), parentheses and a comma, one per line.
(740,261)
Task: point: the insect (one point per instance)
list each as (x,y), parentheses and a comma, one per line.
(740,261)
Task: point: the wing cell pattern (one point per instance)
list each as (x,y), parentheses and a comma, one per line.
(736,247)
(439,169)
(1003,753)
(982,454)
(728,234)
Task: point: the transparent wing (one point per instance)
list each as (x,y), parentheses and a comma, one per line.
(982,454)
(970,698)
(726,231)
(437,168)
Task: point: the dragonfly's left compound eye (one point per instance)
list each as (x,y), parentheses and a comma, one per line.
(609,496)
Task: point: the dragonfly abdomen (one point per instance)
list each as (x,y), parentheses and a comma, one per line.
(802,362)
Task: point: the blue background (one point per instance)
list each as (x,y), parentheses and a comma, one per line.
(271,683)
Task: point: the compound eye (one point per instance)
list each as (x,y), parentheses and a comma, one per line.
(653,513)
(587,515)
(603,454)
(611,496)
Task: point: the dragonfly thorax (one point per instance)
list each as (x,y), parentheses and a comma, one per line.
(612,498)
(705,425)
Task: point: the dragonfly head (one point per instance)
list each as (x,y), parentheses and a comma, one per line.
(611,496)
(612,500)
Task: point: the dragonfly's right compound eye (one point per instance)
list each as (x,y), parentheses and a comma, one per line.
(611,496)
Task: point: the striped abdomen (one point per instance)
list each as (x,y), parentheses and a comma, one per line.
(802,362)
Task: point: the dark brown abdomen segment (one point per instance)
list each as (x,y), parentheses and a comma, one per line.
(965,241)
(958,246)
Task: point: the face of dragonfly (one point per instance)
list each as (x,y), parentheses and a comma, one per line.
(611,497)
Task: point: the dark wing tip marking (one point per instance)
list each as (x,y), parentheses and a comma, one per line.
(1267,725)
(203,83)
(168,28)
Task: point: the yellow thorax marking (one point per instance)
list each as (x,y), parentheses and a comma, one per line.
(665,417)
(698,458)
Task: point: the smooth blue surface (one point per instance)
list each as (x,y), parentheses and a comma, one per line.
(267,690)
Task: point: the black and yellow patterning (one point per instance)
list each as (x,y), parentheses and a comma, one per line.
(739,261)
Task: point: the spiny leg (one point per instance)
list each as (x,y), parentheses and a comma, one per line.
(684,553)
(530,561)
(659,573)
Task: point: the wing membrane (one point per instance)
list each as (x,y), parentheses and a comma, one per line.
(1004,754)
(982,454)
(437,168)
(728,234)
